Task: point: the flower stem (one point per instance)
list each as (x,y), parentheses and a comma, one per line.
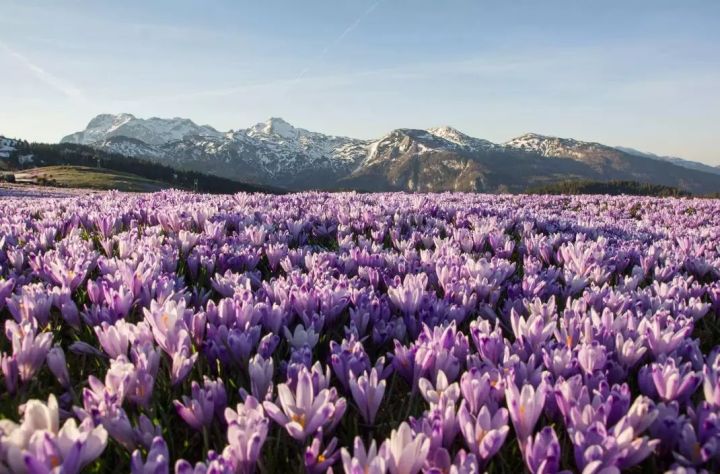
(206,440)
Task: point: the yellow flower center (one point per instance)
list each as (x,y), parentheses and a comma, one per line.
(321,458)
(300,419)
(54,461)
(480,435)
(568,340)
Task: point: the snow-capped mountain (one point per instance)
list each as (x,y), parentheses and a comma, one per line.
(276,153)
(268,152)
(286,145)
(554,147)
(461,140)
(413,159)
(153,131)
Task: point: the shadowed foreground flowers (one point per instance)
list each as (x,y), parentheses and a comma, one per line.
(385,333)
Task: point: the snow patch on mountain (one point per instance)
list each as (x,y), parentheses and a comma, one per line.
(287,143)
(460,139)
(439,139)
(129,147)
(553,147)
(153,131)
(274,126)
(7,147)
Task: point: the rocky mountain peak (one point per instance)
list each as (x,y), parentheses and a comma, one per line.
(274,126)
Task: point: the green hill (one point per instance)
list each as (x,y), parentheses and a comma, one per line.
(90,178)
(82,166)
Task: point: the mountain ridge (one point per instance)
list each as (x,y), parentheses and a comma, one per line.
(276,153)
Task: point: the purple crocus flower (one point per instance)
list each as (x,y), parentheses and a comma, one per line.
(317,459)
(33,303)
(65,273)
(408,295)
(146,431)
(489,341)
(115,339)
(119,301)
(29,349)
(485,433)
(198,409)
(666,426)
(442,394)
(629,350)
(465,463)
(82,347)
(301,337)
(247,432)
(170,330)
(261,375)
(405,451)
(481,388)
(348,357)
(525,407)
(56,363)
(6,289)
(362,461)
(40,444)
(532,331)
(367,391)
(146,360)
(156,462)
(166,319)
(542,454)
(711,374)
(68,310)
(673,382)
(302,413)
(9,366)
(621,445)
(591,357)
(664,335)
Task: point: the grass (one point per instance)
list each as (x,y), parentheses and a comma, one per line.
(90,178)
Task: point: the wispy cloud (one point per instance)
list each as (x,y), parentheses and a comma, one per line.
(277,86)
(43,75)
(352,26)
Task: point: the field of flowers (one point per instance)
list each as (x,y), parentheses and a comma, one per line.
(360,333)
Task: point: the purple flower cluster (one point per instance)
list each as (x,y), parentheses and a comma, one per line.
(384,333)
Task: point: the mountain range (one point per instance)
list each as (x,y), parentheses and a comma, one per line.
(278,154)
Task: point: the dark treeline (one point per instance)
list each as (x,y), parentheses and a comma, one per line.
(632,188)
(80,155)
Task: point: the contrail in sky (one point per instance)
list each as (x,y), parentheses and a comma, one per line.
(288,83)
(41,74)
(342,35)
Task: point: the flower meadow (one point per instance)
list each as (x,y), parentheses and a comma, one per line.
(359,333)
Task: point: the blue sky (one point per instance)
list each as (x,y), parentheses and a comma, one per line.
(644,74)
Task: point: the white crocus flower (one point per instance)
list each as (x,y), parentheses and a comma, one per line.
(405,452)
(301,337)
